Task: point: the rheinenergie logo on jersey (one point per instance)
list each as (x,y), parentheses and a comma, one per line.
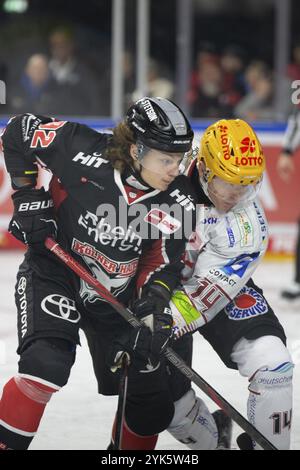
(106,231)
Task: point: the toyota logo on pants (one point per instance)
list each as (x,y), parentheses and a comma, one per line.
(61,307)
(22,285)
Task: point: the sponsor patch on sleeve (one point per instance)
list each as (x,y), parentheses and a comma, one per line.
(247,304)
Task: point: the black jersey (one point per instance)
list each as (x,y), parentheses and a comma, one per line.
(126,233)
(291,139)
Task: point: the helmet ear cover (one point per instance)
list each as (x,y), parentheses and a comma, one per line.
(142,150)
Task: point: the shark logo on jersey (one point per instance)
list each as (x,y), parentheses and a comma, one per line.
(239,265)
(114,275)
(247,304)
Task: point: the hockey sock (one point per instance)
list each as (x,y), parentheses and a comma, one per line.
(133,441)
(270,404)
(193,424)
(21,408)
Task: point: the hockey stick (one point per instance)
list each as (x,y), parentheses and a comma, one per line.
(121,402)
(173,357)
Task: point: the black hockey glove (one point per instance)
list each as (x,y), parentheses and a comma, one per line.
(154,310)
(146,344)
(33,220)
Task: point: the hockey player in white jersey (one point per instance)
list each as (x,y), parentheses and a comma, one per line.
(218,297)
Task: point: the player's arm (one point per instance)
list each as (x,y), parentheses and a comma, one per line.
(27,142)
(219,274)
(159,273)
(162,262)
(216,284)
(33,219)
(30,141)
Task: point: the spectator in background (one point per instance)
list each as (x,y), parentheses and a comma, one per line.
(206,52)
(158,85)
(36,91)
(257,104)
(293,71)
(80,86)
(129,80)
(232,63)
(206,95)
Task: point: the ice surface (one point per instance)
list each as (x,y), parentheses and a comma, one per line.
(78,418)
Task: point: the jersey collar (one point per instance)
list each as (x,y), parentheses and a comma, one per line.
(133,188)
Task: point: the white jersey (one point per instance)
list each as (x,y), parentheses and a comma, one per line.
(222,255)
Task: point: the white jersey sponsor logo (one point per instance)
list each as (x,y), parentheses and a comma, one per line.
(247,304)
(245,227)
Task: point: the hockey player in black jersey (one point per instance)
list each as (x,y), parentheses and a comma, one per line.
(119,204)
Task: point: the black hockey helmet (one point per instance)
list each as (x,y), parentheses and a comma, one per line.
(160,124)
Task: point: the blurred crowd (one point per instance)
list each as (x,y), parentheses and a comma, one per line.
(228,84)
(54,83)
(223,83)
